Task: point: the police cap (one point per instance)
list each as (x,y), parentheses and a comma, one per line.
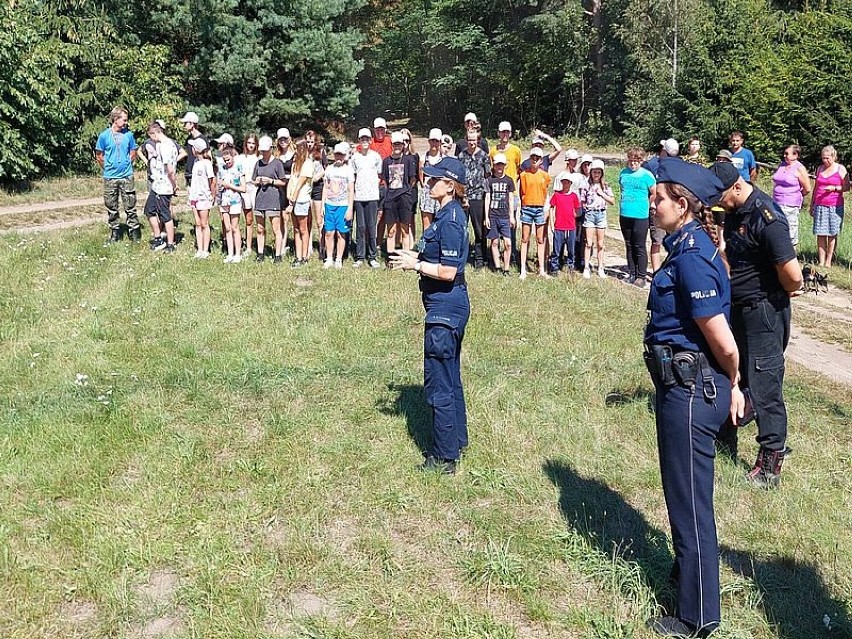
(727,173)
(448,168)
(701,182)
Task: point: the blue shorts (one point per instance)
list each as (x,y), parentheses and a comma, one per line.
(500,227)
(595,219)
(532,215)
(335,218)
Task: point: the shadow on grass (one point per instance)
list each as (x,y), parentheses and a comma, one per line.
(606,521)
(624,397)
(794,596)
(408,400)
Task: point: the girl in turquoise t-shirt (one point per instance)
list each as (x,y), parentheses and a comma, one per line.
(638,189)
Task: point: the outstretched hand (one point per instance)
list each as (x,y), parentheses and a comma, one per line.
(403,259)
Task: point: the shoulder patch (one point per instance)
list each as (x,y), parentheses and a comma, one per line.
(767,213)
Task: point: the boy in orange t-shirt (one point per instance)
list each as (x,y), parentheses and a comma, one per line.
(533,186)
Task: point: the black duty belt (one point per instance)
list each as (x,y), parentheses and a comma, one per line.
(671,367)
(431,285)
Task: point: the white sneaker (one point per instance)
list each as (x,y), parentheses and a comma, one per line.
(587,273)
(236,259)
(523,275)
(375,264)
(357,263)
(601,273)
(338,264)
(328,263)
(199,254)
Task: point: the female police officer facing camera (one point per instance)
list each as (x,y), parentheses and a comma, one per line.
(443,251)
(693,361)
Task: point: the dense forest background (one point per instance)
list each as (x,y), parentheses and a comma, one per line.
(608,71)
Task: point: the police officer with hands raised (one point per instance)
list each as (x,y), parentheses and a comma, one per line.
(693,360)
(440,262)
(764,275)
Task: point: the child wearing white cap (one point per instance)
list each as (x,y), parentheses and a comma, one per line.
(471,123)
(338,201)
(367,166)
(564,203)
(202,186)
(435,154)
(190,125)
(500,217)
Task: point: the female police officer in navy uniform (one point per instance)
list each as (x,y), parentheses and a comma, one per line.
(693,361)
(440,260)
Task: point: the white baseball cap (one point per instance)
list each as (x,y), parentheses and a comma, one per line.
(225,138)
(566,176)
(670,146)
(586,158)
(379,123)
(341,147)
(536,151)
(198,144)
(397,137)
(191,116)
(538,141)
(364,133)
(161,123)
(500,158)
(597,164)
(471,116)
(435,134)
(264,143)
(283,132)
(504,126)
(572,154)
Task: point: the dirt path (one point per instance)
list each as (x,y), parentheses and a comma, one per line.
(825,359)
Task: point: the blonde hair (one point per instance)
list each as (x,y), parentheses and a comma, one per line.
(831,151)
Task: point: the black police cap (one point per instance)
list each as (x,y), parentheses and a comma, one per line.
(726,172)
(699,181)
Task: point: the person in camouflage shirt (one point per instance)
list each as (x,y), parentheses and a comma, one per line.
(477,164)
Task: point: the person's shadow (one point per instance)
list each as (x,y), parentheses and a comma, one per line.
(409,400)
(794,597)
(608,523)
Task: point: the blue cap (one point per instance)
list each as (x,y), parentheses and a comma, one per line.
(702,182)
(449,168)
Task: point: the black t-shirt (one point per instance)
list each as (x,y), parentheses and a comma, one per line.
(499,188)
(461,145)
(190,156)
(399,174)
(268,197)
(757,239)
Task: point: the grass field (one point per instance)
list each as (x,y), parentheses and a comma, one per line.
(190,450)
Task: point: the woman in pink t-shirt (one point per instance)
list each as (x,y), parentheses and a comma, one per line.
(792,184)
(832,181)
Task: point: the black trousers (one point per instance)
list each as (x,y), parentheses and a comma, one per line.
(476,211)
(366,214)
(762,332)
(635,232)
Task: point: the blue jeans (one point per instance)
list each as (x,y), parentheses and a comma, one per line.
(566,240)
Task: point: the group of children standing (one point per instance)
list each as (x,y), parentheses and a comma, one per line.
(373,185)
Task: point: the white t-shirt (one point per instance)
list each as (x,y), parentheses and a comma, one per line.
(337,181)
(247,162)
(164,155)
(199,186)
(306,171)
(233,175)
(367,169)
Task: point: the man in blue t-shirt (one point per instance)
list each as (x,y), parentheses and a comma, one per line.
(742,158)
(115,152)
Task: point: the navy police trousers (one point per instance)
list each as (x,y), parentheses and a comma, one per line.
(687,426)
(446,318)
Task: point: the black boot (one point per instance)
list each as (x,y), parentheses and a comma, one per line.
(114,236)
(767,468)
(135,234)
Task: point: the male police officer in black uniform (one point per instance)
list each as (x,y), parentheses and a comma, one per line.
(764,275)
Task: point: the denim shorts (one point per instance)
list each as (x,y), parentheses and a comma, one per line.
(500,227)
(594,219)
(532,215)
(302,209)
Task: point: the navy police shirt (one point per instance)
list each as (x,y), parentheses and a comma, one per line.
(692,283)
(757,238)
(444,242)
